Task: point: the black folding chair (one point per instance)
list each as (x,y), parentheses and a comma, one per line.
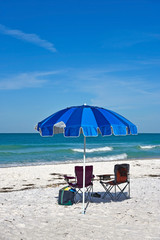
(121,181)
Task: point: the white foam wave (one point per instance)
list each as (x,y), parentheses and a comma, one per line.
(102,149)
(149,146)
(109,158)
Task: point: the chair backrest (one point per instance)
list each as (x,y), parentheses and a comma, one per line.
(121,172)
(88,175)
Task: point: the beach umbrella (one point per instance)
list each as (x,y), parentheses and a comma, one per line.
(88,120)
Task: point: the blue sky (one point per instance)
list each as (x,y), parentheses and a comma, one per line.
(55,54)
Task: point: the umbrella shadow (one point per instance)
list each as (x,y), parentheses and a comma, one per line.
(98,197)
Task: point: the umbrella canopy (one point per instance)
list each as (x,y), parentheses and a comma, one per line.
(88,120)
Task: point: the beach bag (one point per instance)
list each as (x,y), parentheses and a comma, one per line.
(66,196)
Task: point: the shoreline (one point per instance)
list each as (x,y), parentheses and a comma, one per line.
(73,162)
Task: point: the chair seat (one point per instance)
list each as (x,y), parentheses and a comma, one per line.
(75,185)
(115,183)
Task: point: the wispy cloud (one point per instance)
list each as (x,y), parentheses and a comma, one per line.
(32,38)
(112,87)
(130,38)
(116,90)
(147,62)
(26,80)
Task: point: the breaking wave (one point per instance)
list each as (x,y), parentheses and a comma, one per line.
(108,158)
(149,146)
(102,149)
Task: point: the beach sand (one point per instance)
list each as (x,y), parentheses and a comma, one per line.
(29,208)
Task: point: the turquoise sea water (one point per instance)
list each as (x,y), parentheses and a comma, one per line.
(32,149)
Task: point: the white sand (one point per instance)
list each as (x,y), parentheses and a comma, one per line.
(29,208)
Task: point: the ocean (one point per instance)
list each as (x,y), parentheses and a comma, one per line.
(32,149)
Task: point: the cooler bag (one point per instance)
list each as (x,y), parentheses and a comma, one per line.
(66,196)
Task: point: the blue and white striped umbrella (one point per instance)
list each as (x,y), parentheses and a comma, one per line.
(88,120)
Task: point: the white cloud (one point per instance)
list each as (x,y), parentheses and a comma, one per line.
(32,38)
(115,88)
(25,80)
(102,87)
(151,62)
(127,39)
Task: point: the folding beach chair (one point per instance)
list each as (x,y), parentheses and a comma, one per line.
(78,181)
(121,182)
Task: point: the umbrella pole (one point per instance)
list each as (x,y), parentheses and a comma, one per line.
(84,163)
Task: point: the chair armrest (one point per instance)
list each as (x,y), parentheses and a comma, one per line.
(105,176)
(67,178)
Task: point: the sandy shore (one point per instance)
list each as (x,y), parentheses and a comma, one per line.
(29,208)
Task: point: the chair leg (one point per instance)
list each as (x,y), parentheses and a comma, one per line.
(87,194)
(77,193)
(129,189)
(91,194)
(89,190)
(122,191)
(116,195)
(108,190)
